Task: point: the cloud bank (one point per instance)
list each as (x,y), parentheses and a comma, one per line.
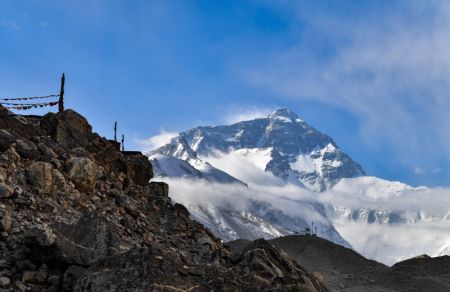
(156,141)
(388,243)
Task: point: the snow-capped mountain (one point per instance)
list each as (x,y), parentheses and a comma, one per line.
(177,159)
(294,151)
(281,145)
(277,175)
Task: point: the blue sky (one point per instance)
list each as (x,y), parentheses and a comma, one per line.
(374,75)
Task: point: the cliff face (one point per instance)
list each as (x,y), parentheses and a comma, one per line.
(78,215)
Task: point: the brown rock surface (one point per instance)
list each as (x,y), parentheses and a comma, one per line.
(40,176)
(82,216)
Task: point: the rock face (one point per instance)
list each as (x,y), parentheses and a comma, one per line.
(78,215)
(82,173)
(40,176)
(342,269)
(69,129)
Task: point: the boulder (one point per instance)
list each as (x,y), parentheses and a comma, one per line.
(3,174)
(47,151)
(86,241)
(6,139)
(68,128)
(272,263)
(59,180)
(26,149)
(40,176)
(41,235)
(139,168)
(5,220)
(5,282)
(5,191)
(71,275)
(159,189)
(82,173)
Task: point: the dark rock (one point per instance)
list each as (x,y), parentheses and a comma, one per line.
(5,191)
(82,173)
(40,236)
(25,265)
(5,220)
(35,277)
(40,176)
(5,282)
(99,210)
(6,139)
(158,189)
(28,276)
(26,149)
(46,151)
(68,128)
(139,169)
(4,263)
(54,280)
(70,277)
(86,241)
(20,286)
(45,158)
(129,205)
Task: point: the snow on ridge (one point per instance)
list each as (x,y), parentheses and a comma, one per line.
(314,161)
(259,157)
(305,163)
(374,187)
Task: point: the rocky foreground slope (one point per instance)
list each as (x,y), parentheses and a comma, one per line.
(78,215)
(343,269)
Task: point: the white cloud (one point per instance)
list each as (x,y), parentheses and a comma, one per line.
(239,113)
(387,243)
(393,243)
(419,170)
(393,72)
(11,25)
(249,170)
(156,141)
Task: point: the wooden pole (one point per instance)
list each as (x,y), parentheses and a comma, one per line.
(115,131)
(123,140)
(61,94)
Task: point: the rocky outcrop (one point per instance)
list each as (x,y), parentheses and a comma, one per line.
(69,129)
(40,176)
(6,139)
(78,215)
(82,173)
(342,269)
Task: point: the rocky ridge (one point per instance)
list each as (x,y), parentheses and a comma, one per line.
(76,214)
(343,269)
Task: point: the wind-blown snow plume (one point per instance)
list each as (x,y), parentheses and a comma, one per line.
(156,141)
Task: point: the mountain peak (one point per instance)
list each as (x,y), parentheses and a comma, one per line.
(285,113)
(300,153)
